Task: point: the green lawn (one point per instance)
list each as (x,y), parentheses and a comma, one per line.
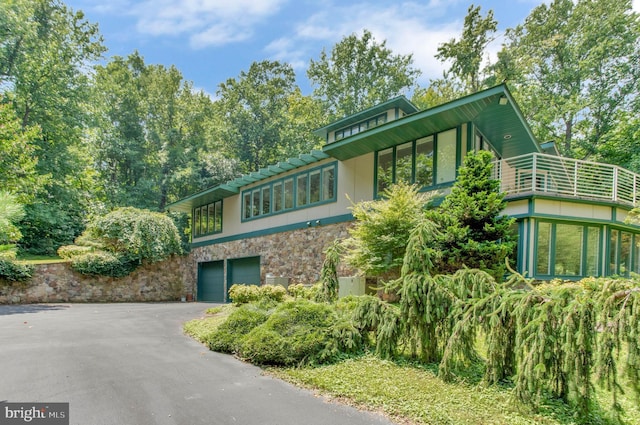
(411,393)
(40,259)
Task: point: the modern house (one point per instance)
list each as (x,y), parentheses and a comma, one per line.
(272,225)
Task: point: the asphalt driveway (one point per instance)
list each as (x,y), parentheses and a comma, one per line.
(122,364)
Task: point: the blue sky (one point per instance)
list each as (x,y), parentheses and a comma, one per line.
(210,41)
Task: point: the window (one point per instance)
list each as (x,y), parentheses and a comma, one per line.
(564,249)
(311,187)
(424,161)
(427,161)
(384,170)
(277,197)
(361,126)
(207,219)
(301,194)
(446,156)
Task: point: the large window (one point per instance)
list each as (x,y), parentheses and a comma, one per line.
(303,189)
(207,219)
(569,250)
(428,161)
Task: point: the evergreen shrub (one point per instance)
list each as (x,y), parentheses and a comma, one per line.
(296,332)
(14,272)
(229,335)
(243,293)
(102,263)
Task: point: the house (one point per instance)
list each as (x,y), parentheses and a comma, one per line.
(272,225)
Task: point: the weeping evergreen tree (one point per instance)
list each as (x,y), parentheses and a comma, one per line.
(475,233)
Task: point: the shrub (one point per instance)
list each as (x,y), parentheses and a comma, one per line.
(8,252)
(302,291)
(102,263)
(136,234)
(14,272)
(70,251)
(228,336)
(297,332)
(242,293)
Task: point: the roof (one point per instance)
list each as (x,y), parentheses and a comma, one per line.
(232,187)
(493,111)
(399,102)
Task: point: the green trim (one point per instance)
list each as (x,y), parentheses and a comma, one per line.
(273,230)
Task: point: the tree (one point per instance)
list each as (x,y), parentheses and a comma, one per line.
(260,111)
(475,233)
(466,54)
(11,211)
(577,63)
(43,57)
(379,236)
(152,135)
(17,156)
(358,74)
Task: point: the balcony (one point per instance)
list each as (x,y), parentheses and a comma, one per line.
(541,174)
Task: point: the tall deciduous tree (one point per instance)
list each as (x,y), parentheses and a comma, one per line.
(467,53)
(576,65)
(44,52)
(264,115)
(360,73)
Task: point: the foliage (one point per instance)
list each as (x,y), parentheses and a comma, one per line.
(12,271)
(229,336)
(329,272)
(136,234)
(49,225)
(103,263)
(17,156)
(572,63)
(11,211)
(358,74)
(381,230)
(70,251)
(308,292)
(260,110)
(243,294)
(383,320)
(183,225)
(296,332)
(466,54)
(474,232)
(8,252)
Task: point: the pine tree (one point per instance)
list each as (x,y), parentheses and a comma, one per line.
(475,233)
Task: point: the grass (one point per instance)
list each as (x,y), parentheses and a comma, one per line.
(40,259)
(201,329)
(411,393)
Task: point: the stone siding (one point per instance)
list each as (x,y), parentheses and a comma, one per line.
(168,280)
(297,254)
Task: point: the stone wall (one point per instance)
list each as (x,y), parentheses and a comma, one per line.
(297,254)
(168,280)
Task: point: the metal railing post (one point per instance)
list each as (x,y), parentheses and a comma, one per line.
(615,184)
(534,172)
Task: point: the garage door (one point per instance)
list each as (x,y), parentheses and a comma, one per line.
(211,281)
(243,270)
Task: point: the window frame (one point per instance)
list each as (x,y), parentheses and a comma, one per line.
(200,222)
(293,180)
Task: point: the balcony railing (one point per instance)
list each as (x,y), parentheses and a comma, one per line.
(538,173)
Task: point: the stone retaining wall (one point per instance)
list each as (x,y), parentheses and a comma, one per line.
(168,280)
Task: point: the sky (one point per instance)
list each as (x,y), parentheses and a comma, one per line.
(210,41)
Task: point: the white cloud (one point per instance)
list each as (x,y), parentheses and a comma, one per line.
(205,22)
(408,28)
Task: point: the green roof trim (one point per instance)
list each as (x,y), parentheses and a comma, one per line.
(399,102)
(233,187)
(494,113)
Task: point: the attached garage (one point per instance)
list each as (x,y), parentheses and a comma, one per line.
(211,281)
(243,270)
